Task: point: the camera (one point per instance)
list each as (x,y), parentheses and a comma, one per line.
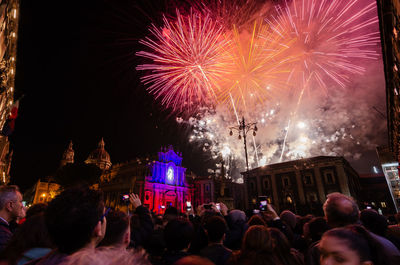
(125,198)
(263,203)
(207,206)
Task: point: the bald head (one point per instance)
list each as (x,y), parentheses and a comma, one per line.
(340,210)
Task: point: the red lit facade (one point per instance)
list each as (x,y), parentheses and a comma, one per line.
(160,182)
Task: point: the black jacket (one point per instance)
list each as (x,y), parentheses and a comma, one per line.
(5,234)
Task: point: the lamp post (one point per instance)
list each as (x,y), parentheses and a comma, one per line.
(243,129)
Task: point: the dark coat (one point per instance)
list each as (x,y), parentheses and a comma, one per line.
(140,236)
(5,234)
(217,253)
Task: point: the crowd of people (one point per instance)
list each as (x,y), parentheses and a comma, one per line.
(76,227)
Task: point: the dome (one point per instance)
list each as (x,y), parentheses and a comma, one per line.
(99,157)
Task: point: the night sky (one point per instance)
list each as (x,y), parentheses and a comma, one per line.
(76,69)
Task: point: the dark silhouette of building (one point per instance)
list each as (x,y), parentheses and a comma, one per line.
(389,23)
(302,185)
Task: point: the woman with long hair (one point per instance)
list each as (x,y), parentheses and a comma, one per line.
(257,248)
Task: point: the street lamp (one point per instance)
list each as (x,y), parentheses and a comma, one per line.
(243,129)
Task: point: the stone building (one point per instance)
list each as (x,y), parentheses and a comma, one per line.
(375,193)
(389,24)
(160,182)
(9,15)
(301,185)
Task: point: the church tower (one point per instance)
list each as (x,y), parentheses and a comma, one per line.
(100,157)
(68,156)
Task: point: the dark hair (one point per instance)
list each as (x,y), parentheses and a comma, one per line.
(7,193)
(257,247)
(38,208)
(72,216)
(316,227)
(374,222)
(216,228)
(257,238)
(282,248)
(178,233)
(31,234)
(117,224)
(256,220)
(340,210)
(359,240)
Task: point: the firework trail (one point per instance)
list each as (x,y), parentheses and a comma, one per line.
(189,57)
(331,39)
(288,75)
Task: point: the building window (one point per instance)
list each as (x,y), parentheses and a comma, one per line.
(286,181)
(252,188)
(329,178)
(308,180)
(266,183)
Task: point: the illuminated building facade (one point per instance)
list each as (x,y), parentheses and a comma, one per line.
(302,185)
(160,182)
(9,12)
(375,193)
(389,22)
(391,172)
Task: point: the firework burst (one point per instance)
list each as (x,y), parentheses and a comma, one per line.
(189,58)
(332,39)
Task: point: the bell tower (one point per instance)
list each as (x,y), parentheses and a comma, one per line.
(68,156)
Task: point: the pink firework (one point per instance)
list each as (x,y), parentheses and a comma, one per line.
(189,57)
(331,39)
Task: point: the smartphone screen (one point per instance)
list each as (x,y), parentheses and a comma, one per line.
(188,204)
(218,206)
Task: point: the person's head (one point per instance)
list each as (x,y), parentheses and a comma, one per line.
(237,216)
(257,239)
(216,228)
(340,210)
(350,245)
(282,248)
(256,220)
(171,213)
(118,230)
(38,208)
(107,256)
(178,234)
(193,260)
(75,219)
(31,234)
(314,229)
(11,206)
(374,222)
(288,218)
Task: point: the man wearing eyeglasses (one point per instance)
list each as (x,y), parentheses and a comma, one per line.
(10,209)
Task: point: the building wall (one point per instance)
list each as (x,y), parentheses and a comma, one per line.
(45,191)
(302,185)
(389,23)
(159,183)
(9,15)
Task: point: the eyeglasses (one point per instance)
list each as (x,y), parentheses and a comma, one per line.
(105,214)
